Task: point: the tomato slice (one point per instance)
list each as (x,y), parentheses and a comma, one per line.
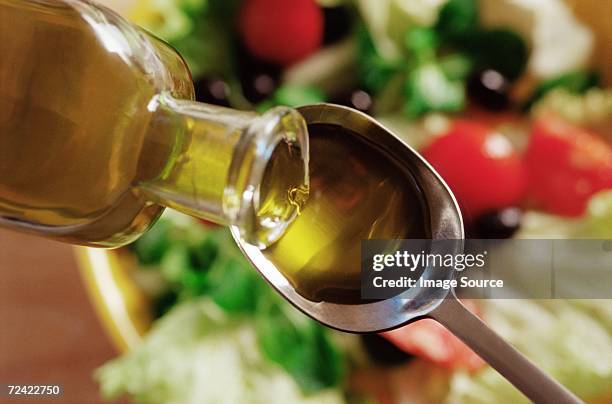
(480,166)
(566,166)
(428,339)
(281,31)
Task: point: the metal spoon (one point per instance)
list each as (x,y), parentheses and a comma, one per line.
(413,304)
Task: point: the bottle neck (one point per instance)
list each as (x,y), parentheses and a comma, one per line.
(226,166)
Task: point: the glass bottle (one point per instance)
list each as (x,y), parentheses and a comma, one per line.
(99,131)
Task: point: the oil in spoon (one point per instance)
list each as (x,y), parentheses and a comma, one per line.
(357,192)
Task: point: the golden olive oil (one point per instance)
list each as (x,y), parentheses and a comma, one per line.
(357,192)
(94,138)
(85,132)
(73,116)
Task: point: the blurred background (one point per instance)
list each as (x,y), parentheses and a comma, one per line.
(50,333)
(517,91)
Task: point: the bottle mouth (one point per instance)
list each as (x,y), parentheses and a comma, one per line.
(268,181)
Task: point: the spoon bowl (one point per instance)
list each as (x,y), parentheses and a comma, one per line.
(444,223)
(440,304)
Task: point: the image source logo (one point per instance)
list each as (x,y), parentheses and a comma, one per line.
(517,269)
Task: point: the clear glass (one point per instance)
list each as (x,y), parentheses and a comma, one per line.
(99,131)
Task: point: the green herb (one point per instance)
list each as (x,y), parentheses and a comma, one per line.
(457,19)
(295,96)
(151,246)
(575,82)
(198,261)
(233,283)
(422,43)
(436,61)
(198,30)
(429,89)
(175,263)
(193,283)
(203,251)
(456,66)
(374,70)
(292,95)
(301,346)
(499,49)
(206,49)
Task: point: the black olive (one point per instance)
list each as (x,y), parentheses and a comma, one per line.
(489,89)
(499,224)
(258,78)
(212,91)
(357,99)
(337,24)
(384,352)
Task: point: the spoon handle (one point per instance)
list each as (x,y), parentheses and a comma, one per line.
(510,363)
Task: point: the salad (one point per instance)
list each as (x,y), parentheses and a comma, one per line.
(500,96)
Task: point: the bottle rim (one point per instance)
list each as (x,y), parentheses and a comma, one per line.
(243,198)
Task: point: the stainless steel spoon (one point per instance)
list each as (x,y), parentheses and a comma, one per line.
(440,305)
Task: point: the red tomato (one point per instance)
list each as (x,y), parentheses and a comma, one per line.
(281,31)
(430,340)
(566,166)
(480,166)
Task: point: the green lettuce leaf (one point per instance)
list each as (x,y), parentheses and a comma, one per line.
(429,89)
(569,339)
(595,223)
(198,354)
(299,344)
(198,29)
(201,261)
